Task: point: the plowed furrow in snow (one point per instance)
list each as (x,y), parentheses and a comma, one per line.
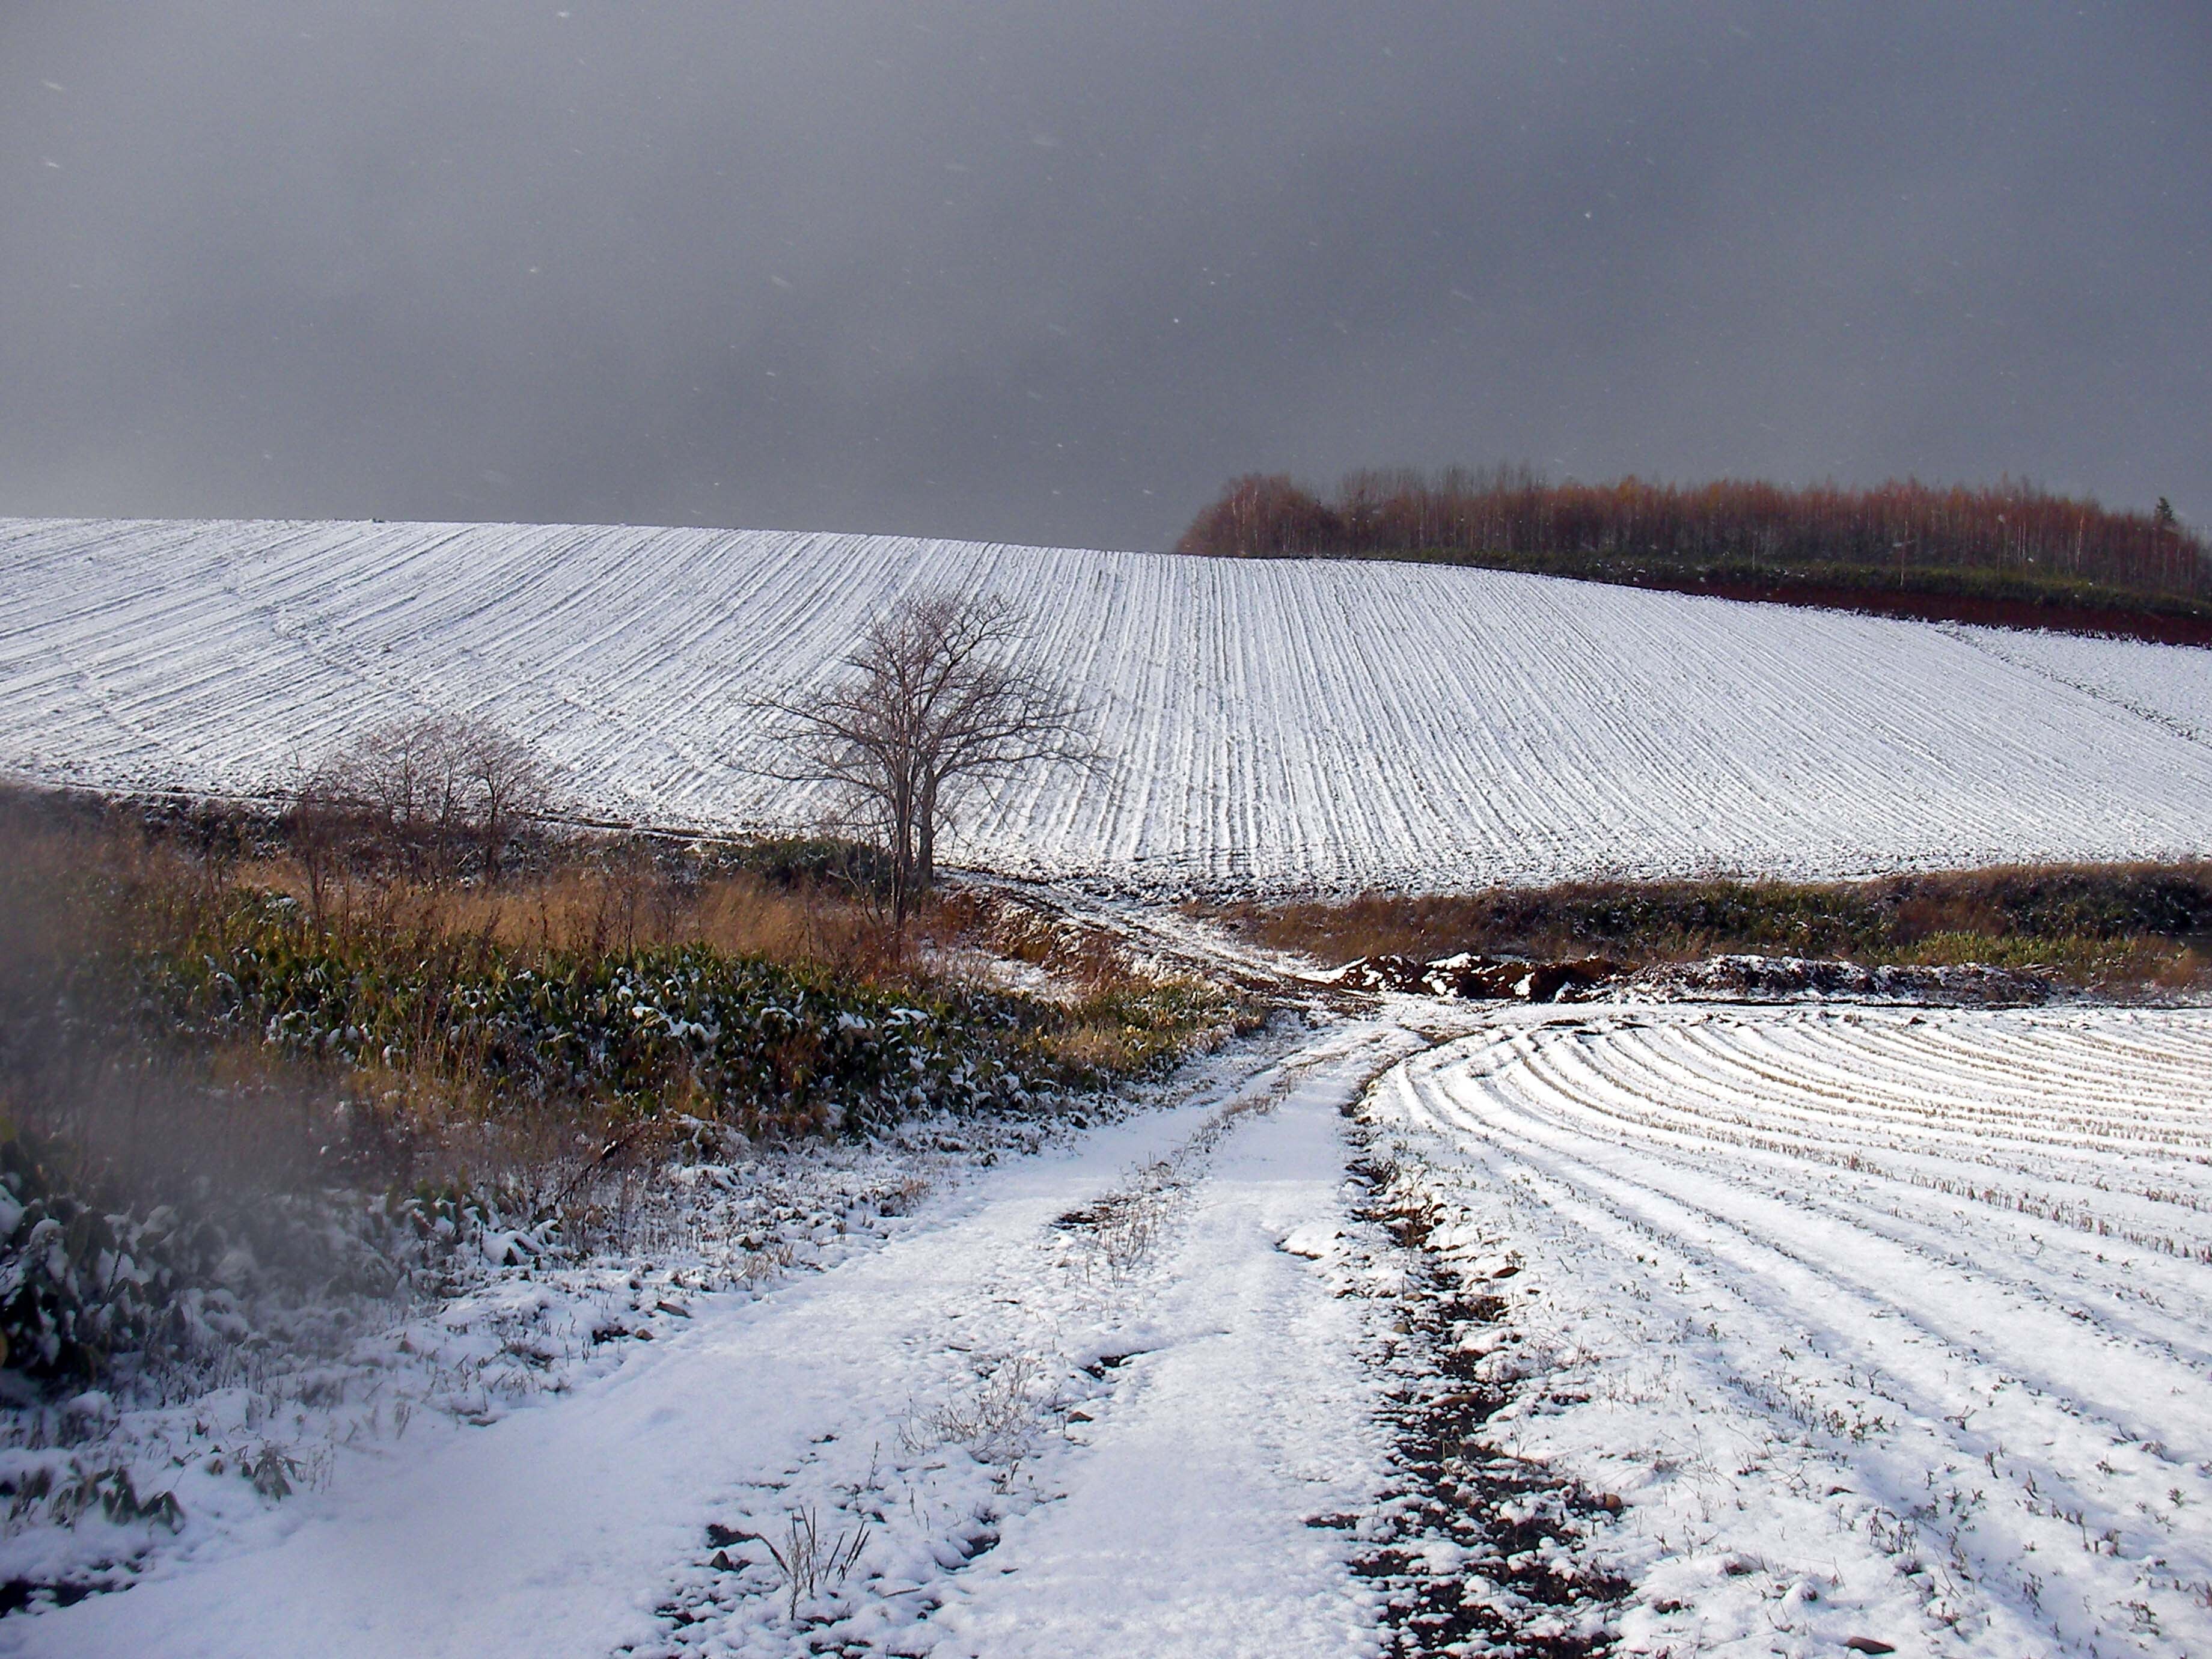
(1994,1424)
(1763,1227)
(1639,1085)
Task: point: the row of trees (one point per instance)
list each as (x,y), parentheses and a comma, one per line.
(1514,511)
(434,794)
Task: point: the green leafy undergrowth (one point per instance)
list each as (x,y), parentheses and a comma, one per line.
(75,1283)
(760,1045)
(90,1273)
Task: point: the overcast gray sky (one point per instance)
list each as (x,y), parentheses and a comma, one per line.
(1039,271)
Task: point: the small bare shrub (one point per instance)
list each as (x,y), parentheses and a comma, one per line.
(435,790)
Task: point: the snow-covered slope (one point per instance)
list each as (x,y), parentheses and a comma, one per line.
(1280,725)
(2159,683)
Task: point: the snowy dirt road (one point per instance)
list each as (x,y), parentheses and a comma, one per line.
(1088,1408)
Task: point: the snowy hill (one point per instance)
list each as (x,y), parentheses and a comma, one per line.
(1285,725)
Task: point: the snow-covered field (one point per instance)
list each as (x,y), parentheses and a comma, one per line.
(2159,683)
(1298,725)
(1883,1323)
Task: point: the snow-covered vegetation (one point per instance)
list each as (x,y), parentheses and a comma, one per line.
(1279,725)
(478,1315)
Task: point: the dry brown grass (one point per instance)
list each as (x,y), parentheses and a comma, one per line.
(1084,959)
(1117,1017)
(99,904)
(86,888)
(598,903)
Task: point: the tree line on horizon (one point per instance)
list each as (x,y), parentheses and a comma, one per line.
(1470,515)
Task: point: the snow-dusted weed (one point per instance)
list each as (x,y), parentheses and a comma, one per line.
(812,1560)
(1114,1235)
(1111,1238)
(998,1423)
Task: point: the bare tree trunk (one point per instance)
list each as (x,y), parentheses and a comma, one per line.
(902,851)
(925,862)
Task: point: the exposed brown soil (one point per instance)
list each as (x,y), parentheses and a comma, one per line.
(1950,607)
(1529,1581)
(1472,978)
(1746,978)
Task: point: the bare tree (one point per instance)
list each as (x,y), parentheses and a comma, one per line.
(434,787)
(934,703)
(404,782)
(507,781)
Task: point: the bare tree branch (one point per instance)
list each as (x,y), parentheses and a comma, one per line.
(430,788)
(934,703)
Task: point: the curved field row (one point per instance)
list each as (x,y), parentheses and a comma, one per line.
(2171,687)
(1785,1254)
(2086,1155)
(1287,725)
